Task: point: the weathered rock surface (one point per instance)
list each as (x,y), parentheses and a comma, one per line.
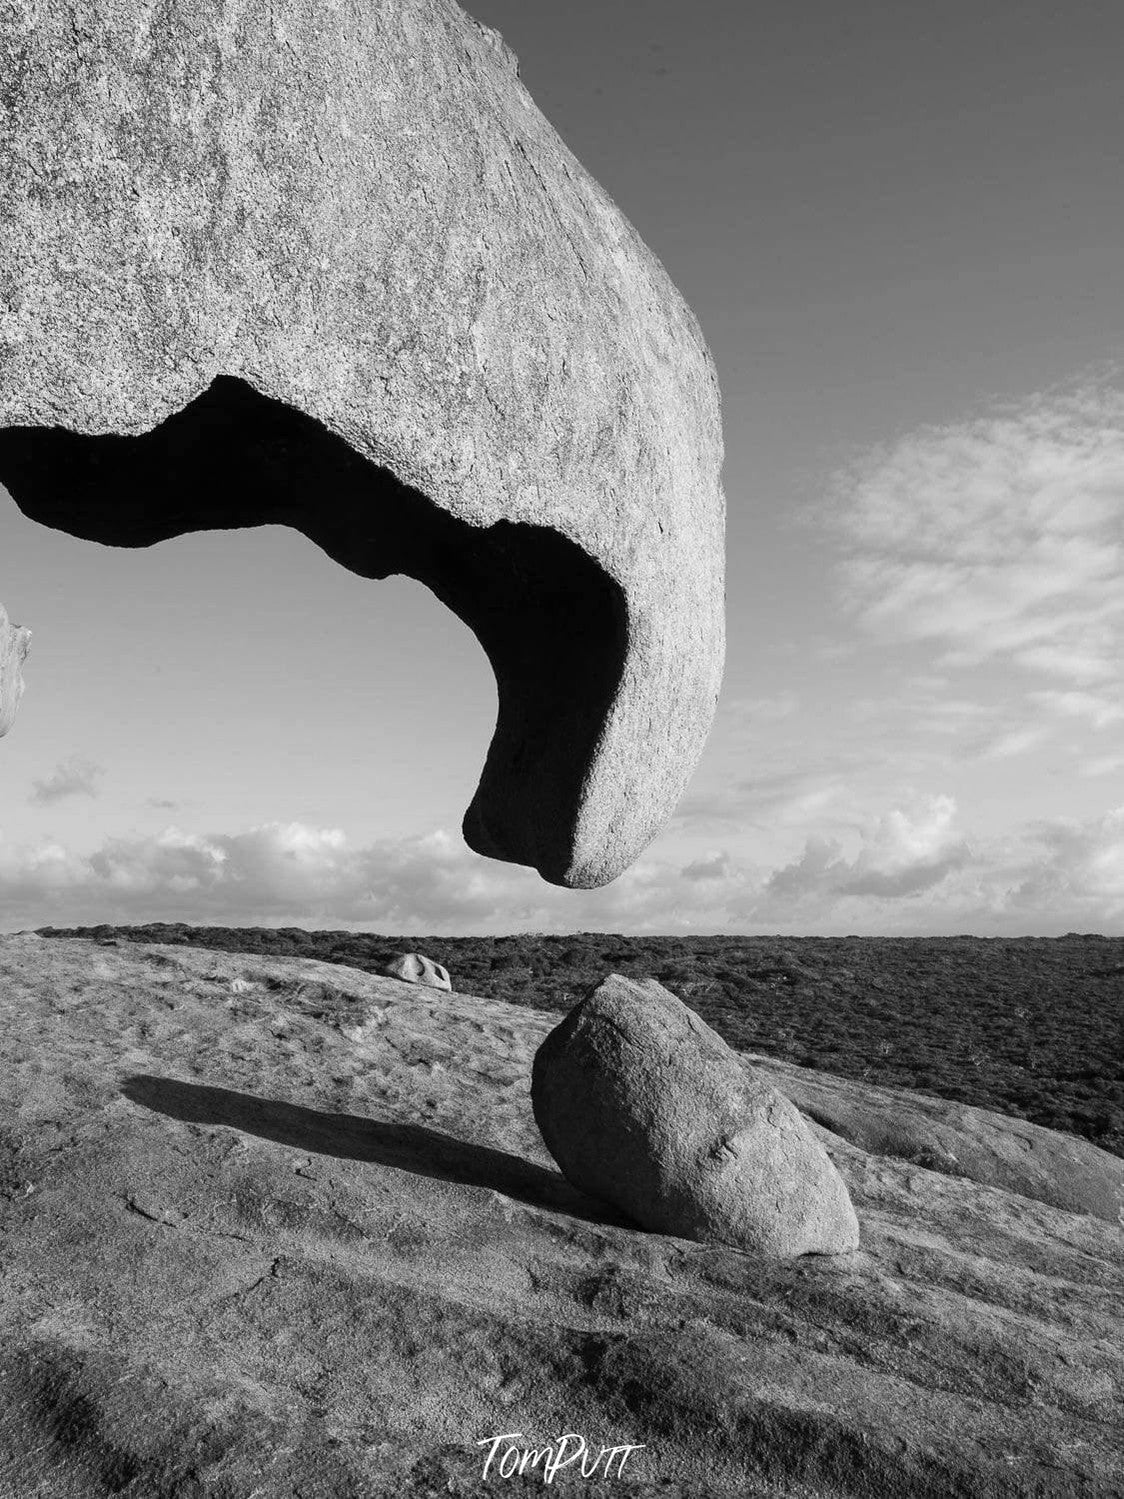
(305,1239)
(416,968)
(643,1105)
(328,266)
(14,643)
(958,1140)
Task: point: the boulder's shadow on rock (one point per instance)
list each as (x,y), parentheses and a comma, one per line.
(407,1147)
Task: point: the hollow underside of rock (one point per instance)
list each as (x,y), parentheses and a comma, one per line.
(303,1237)
(329,267)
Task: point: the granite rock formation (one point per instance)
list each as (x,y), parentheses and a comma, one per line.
(644,1106)
(328,266)
(14,643)
(415,968)
(957,1139)
(278,1225)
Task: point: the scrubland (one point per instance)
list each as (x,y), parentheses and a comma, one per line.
(1030,1026)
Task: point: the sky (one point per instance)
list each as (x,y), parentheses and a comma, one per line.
(900,227)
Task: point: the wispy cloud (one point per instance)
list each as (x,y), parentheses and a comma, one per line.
(1000,538)
(774,797)
(1005,746)
(1096,708)
(750,713)
(1101,765)
(73,777)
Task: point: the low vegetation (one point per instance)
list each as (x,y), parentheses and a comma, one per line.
(1032,1027)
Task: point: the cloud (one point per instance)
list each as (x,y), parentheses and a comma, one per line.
(773,797)
(902,854)
(715,867)
(902,729)
(1098,709)
(1044,878)
(1074,665)
(999,539)
(911,870)
(288,873)
(1014,742)
(748,713)
(1102,765)
(814,873)
(1074,867)
(73,777)
(161,804)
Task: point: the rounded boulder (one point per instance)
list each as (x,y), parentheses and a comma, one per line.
(643,1105)
(416,968)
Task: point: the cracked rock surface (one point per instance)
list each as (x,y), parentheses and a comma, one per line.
(276,1226)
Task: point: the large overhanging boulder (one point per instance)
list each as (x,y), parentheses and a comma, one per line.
(328,266)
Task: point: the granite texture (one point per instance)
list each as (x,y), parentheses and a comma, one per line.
(644,1106)
(327,265)
(275,1226)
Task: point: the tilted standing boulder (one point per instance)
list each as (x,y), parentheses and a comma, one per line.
(644,1106)
(280,261)
(416,968)
(14,643)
